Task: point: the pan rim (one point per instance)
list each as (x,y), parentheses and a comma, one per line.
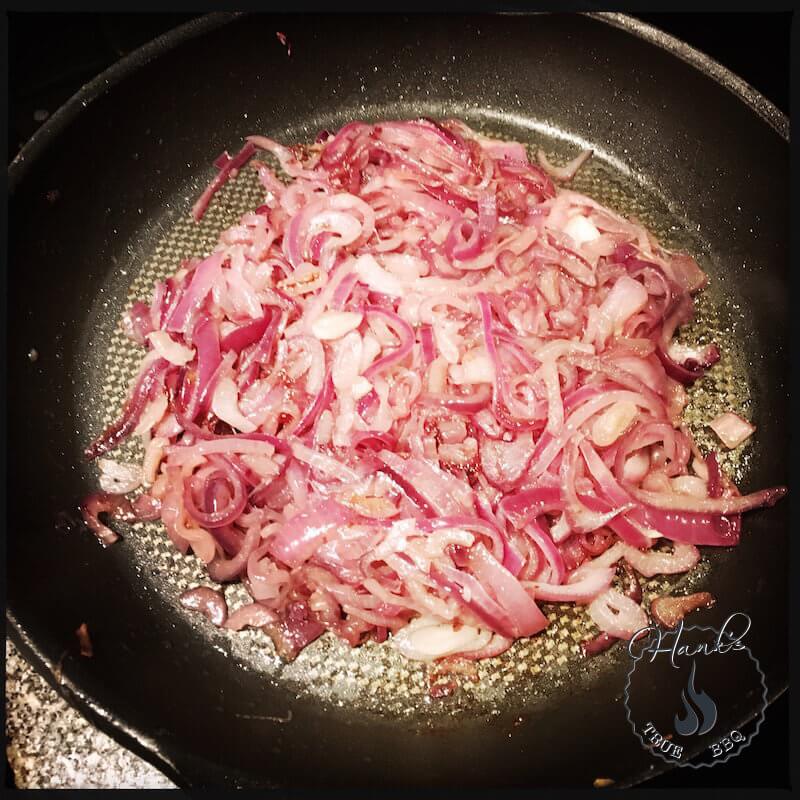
(90,91)
(130,736)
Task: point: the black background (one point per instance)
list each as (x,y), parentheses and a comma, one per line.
(52,55)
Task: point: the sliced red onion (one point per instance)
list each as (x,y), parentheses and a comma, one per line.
(690,371)
(119,430)
(504,463)
(208,602)
(204,276)
(116,506)
(464,240)
(567,172)
(252,615)
(468,523)
(223,496)
(544,542)
(526,618)
(616,614)
(117,477)
(581,591)
(146,507)
(304,532)
(669,611)
(524,445)
(465,404)
(434,489)
(404,331)
(221,569)
(137,322)
(682,504)
(294,629)
(657,562)
(245,335)
(428,639)
(731,429)
(226,168)
(598,644)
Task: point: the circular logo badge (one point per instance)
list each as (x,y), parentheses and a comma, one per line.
(690,692)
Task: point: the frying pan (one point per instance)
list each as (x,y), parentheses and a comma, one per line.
(99,200)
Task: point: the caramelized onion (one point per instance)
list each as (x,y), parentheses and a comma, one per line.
(418,389)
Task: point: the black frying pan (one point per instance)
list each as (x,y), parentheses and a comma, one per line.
(126,157)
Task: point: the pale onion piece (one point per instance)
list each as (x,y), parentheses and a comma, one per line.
(562,318)
(324,429)
(452,430)
(558,348)
(448,341)
(361,387)
(657,482)
(370,350)
(731,429)
(371,273)
(560,530)
(699,468)
(225,404)
(581,230)
(347,362)
(677,398)
(383,333)
(264,466)
(345,420)
(636,466)
(370,506)
(226,327)
(382,420)
(658,562)
(613,422)
(548,286)
(682,353)
(169,427)
(153,454)
(323,463)
(168,348)
(396,540)
(345,227)
(306,278)
(690,485)
(426,639)
(626,298)
(475,367)
(405,267)
(435,544)
(330,325)
(119,477)
(461,454)
(568,171)
(152,414)
(313,362)
(409,307)
(616,614)
(437,375)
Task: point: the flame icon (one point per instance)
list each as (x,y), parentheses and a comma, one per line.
(692,724)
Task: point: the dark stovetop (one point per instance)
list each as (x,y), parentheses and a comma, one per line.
(52,55)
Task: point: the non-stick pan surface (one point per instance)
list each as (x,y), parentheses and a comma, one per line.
(98,207)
